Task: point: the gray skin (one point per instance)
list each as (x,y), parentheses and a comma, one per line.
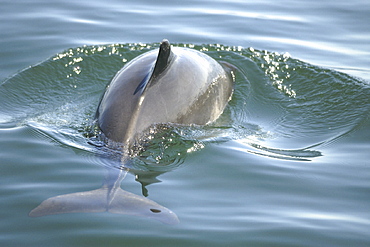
(169,85)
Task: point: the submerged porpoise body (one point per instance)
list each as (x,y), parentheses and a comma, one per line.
(170,85)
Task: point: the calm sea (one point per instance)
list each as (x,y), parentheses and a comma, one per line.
(287,164)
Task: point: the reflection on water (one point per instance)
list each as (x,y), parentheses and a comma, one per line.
(306,154)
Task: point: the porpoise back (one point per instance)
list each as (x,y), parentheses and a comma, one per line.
(169,85)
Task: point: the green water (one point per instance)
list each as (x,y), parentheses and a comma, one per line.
(287,164)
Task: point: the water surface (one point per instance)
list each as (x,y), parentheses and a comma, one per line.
(286,164)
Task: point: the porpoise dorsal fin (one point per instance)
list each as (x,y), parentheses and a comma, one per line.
(163,60)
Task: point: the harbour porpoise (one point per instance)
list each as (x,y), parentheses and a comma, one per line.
(168,85)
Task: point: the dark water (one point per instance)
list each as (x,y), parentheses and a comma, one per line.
(287,164)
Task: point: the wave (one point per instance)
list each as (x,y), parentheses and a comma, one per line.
(281,108)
